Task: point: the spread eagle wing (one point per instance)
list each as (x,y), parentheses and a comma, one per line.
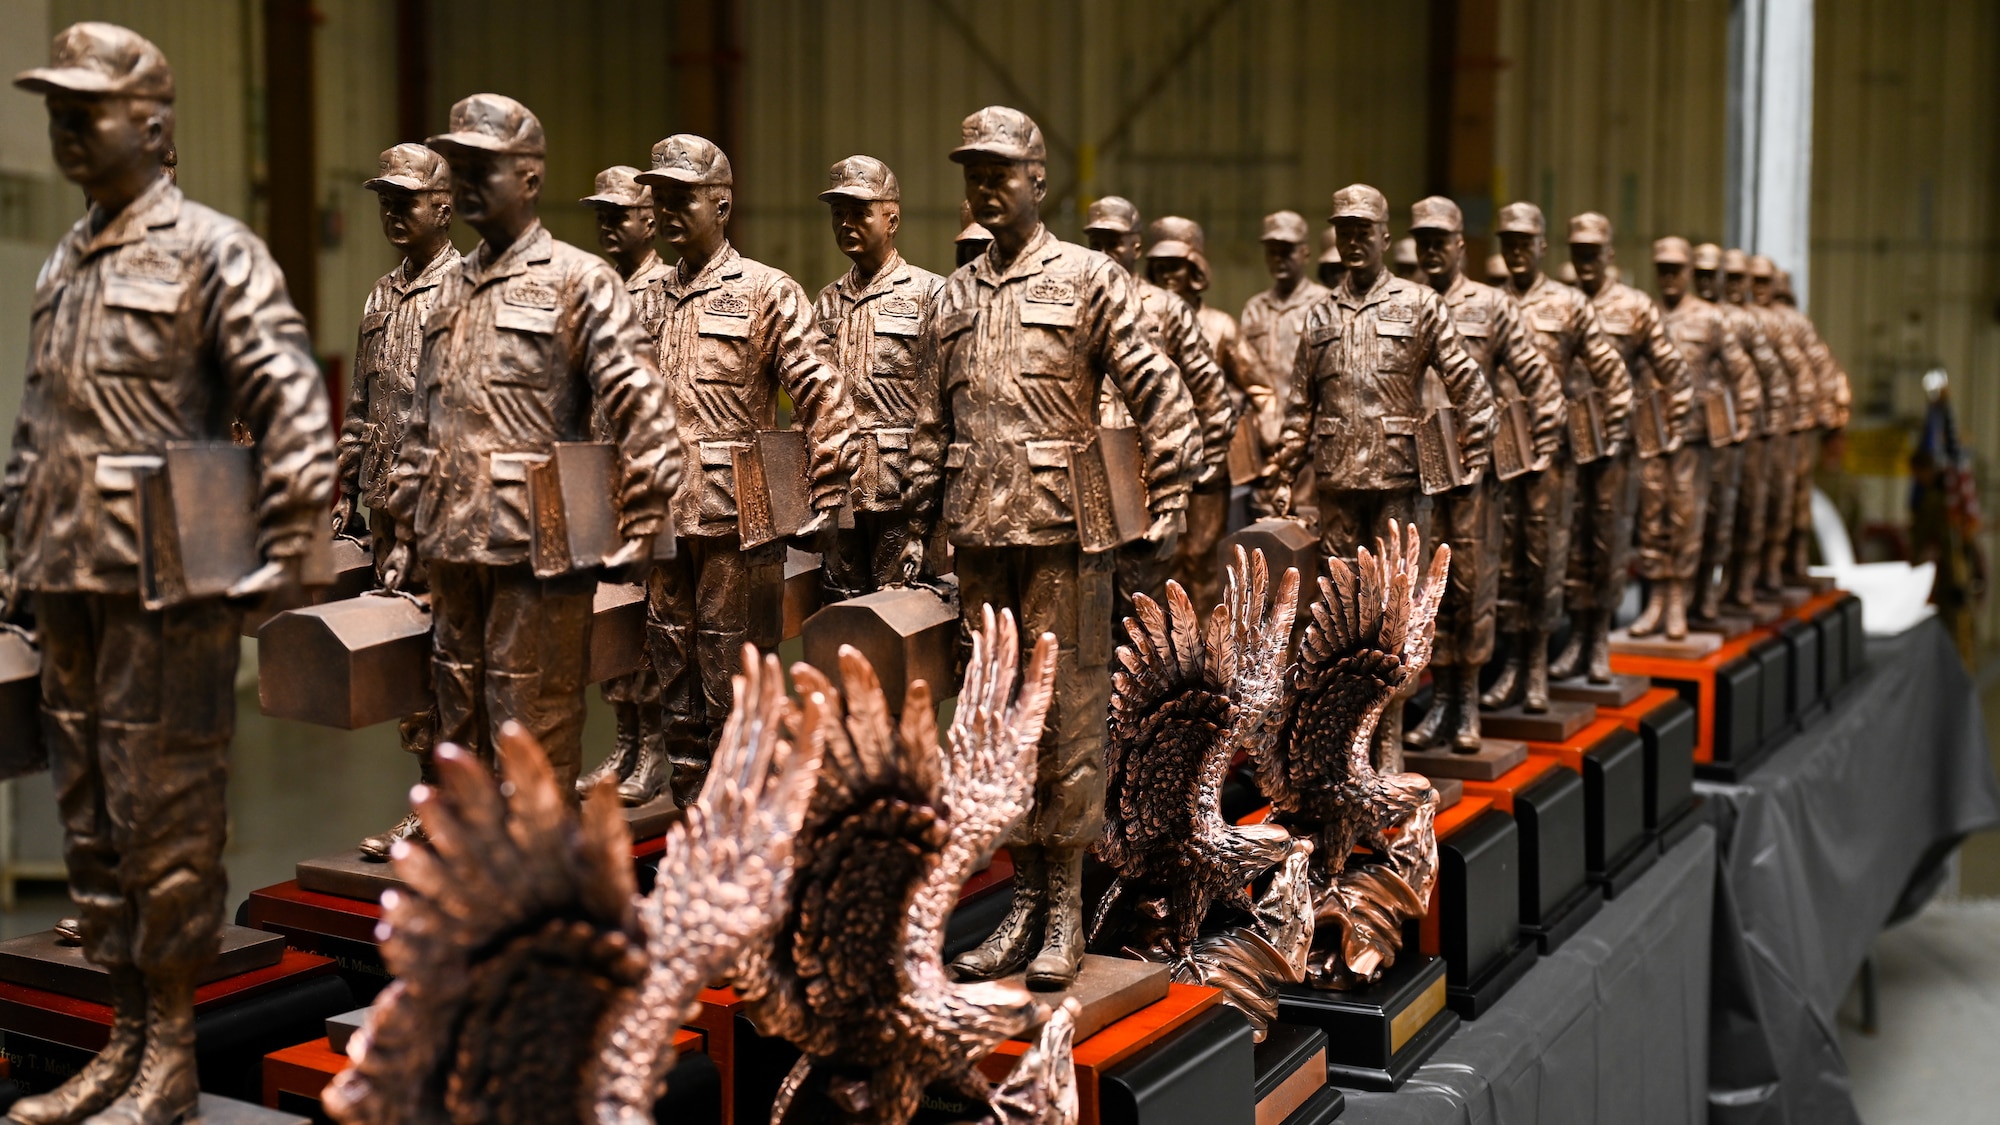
(523,954)
(721,886)
(1369,636)
(855,976)
(517,933)
(1184,700)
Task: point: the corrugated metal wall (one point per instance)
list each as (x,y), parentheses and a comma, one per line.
(1221,110)
(1617,108)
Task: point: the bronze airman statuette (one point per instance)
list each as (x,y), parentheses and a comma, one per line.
(1538,555)
(1722,416)
(1386,435)
(1769,529)
(1403,259)
(1330,268)
(1527,436)
(413,188)
(972,239)
(626,229)
(1672,473)
(155,321)
(1177,260)
(1112,228)
(1028,334)
(878,323)
(534,343)
(1818,401)
(1274,320)
(736,335)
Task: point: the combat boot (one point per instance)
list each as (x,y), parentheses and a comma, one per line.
(103,1079)
(1054,968)
(1535,697)
(1570,660)
(649,772)
(1466,738)
(1598,643)
(1648,621)
(1008,947)
(625,751)
(1677,609)
(1709,607)
(376,848)
(1506,689)
(166,1090)
(689,776)
(1431,729)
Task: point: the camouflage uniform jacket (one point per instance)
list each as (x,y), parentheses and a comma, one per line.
(1489,325)
(1358,388)
(1718,363)
(734,336)
(385,375)
(523,348)
(1272,326)
(881,335)
(1774,405)
(1172,326)
(1632,322)
(1024,348)
(162,323)
(1563,325)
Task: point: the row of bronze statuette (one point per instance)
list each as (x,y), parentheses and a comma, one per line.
(1057,436)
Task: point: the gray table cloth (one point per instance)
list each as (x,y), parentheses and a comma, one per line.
(1817,849)
(1611,1028)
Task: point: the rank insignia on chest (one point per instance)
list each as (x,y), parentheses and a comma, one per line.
(729,303)
(1396,314)
(150,263)
(899,306)
(1050,291)
(531,295)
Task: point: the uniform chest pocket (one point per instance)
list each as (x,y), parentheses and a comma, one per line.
(41,328)
(895,347)
(138,335)
(725,348)
(1545,322)
(1046,329)
(1478,329)
(524,348)
(1322,335)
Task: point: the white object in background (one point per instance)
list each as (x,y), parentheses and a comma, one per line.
(1834,545)
(1894,595)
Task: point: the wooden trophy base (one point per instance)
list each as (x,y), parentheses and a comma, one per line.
(1794,597)
(1621,690)
(1546,800)
(1377,1036)
(1290,1084)
(1474,921)
(1494,757)
(51,1036)
(1108,988)
(326,925)
(1617,848)
(41,961)
(1694,646)
(1665,724)
(1729,625)
(1563,719)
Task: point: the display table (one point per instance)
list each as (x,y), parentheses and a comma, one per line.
(1612,1026)
(1817,847)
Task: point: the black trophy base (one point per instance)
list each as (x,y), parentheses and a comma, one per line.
(1200,1074)
(1626,868)
(1477,996)
(1377,1036)
(1290,1086)
(1678,825)
(1668,733)
(1736,768)
(1614,784)
(1561,923)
